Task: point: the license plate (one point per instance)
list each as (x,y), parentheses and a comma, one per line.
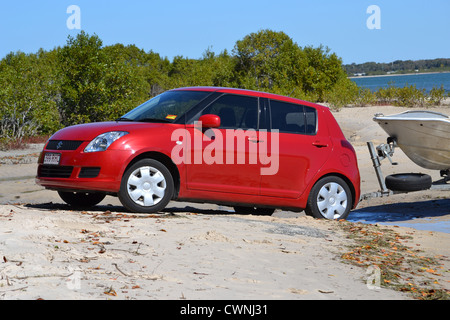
(52,158)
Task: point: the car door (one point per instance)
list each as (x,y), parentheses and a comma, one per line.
(225,159)
(303,147)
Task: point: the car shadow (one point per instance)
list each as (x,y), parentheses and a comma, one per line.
(197,210)
(403,211)
(50,206)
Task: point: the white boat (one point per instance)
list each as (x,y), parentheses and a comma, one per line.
(424,136)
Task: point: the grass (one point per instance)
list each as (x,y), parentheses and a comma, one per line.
(401,267)
(22,143)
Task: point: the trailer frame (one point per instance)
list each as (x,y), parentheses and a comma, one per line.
(386,151)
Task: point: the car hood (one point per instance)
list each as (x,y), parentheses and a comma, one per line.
(88,131)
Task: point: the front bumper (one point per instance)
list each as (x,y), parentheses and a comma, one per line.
(80,171)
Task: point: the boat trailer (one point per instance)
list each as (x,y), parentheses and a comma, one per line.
(386,151)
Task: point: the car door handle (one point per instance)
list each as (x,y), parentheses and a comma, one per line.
(255,140)
(319,144)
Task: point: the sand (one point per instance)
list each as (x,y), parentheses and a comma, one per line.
(201,251)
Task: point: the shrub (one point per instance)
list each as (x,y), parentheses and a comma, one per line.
(26,96)
(387,95)
(436,96)
(410,96)
(365,97)
(343,93)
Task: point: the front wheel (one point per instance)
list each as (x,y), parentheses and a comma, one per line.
(146,187)
(330,198)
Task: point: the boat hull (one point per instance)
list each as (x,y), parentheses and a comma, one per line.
(422,135)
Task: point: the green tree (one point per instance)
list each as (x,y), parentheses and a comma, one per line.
(323,72)
(27,95)
(210,70)
(85,82)
(82,73)
(96,84)
(272,61)
(149,69)
(219,68)
(269,60)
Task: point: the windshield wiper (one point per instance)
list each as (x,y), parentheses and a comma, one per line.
(123,119)
(154,120)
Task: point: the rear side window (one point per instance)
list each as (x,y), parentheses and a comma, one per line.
(293,118)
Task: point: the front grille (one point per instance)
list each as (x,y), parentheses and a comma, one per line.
(63,145)
(55,171)
(89,172)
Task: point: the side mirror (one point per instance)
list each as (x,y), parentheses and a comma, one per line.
(210,121)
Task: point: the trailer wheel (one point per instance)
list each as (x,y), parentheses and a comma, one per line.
(408,182)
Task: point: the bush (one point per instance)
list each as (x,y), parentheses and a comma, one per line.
(410,96)
(365,98)
(345,92)
(27,104)
(387,95)
(436,96)
(96,84)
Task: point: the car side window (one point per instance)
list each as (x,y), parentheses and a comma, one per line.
(235,112)
(293,118)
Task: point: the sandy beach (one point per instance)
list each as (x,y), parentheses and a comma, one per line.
(201,251)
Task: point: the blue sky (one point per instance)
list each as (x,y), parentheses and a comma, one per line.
(409,29)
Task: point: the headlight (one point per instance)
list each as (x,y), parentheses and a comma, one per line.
(103,141)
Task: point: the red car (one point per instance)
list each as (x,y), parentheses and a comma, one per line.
(251,150)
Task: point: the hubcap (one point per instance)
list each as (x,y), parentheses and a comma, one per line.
(332,201)
(146,186)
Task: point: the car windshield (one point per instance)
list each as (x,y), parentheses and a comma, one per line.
(166,107)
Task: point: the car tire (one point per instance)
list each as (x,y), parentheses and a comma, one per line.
(146,187)
(254,210)
(330,198)
(81,199)
(408,182)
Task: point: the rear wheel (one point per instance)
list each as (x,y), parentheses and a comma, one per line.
(146,187)
(330,198)
(254,210)
(81,199)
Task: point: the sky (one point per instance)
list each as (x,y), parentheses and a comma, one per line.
(395,30)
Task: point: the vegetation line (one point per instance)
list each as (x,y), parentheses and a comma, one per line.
(399,67)
(84,81)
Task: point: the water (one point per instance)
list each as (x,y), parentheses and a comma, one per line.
(429,215)
(422,81)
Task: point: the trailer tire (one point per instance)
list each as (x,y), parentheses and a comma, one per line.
(408,182)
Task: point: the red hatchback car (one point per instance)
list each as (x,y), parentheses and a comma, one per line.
(251,150)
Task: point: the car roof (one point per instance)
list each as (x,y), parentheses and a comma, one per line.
(251,93)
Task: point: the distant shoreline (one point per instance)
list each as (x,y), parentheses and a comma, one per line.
(397,74)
